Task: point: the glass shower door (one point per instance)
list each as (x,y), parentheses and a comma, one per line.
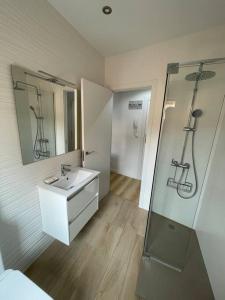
(192,107)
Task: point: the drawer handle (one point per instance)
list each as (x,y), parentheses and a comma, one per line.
(91,202)
(80,190)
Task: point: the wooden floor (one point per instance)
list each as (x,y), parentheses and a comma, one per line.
(103,261)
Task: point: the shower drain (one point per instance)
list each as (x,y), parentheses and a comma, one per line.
(171,226)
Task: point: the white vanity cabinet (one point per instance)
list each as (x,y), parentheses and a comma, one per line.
(64,214)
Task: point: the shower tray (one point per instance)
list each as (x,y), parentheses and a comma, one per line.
(168,242)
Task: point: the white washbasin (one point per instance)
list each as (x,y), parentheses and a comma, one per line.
(72,179)
(68,204)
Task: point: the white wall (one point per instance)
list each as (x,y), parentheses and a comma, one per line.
(128,141)
(147,66)
(35,36)
(211,221)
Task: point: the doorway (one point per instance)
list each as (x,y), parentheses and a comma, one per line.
(129,119)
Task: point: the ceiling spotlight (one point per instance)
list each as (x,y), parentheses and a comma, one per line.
(107,10)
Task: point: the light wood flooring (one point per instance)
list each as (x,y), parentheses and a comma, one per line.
(103,260)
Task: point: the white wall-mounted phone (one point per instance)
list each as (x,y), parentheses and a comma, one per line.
(135,128)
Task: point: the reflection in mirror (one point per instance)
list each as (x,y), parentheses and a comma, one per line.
(46,115)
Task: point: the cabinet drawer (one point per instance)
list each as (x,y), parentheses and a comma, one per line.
(79,201)
(76,226)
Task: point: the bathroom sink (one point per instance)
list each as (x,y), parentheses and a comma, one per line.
(69,203)
(73,179)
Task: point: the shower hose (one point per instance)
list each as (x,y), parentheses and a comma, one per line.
(194,169)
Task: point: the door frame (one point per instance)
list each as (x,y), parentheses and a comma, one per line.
(145,126)
(152,133)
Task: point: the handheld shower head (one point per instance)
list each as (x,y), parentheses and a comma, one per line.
(197,113)
(32,108)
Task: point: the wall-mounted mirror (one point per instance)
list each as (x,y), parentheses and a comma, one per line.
(46,114)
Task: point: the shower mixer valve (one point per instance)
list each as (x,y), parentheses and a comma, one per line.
(175,163)
(174,183)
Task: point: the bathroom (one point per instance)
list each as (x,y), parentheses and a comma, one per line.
(83,52)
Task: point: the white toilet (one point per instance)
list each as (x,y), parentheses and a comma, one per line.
(14,285)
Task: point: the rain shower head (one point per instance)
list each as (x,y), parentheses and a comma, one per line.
(32,108)
(203,75)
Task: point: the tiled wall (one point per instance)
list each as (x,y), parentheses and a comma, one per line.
(33,35)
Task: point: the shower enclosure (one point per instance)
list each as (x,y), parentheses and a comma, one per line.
(193,103)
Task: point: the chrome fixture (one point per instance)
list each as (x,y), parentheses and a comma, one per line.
(51,78)
(18,88)
(89,152)
(181,183)
(204,75)
(41,143)
(32,108)
(57,80)
(107,10)
(65,168)
(202,61)
(173,182)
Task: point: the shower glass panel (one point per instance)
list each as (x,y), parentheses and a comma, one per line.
(192,107)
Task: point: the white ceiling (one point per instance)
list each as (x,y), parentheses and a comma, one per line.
(137,23)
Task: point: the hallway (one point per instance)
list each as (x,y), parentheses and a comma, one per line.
(125,187)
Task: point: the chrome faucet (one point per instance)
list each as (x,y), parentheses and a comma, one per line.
(65,169)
